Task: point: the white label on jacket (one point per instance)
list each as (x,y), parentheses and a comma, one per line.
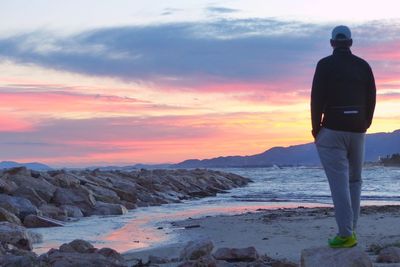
(350,112)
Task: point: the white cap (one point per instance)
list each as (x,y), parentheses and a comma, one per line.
(341,33)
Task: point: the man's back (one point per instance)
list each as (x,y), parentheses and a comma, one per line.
(344,90)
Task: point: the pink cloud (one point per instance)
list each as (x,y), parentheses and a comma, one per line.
(9,123)
(63,102)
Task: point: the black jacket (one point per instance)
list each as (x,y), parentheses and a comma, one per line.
(344,92)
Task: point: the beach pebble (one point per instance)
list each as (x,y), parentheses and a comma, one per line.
(325,256)
(389,255)
(236,254)
(196,249)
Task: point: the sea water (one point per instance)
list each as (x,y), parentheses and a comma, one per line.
(271,188)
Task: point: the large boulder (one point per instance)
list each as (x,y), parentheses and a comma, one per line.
(72,211)
(103,194)
(9,217)
(42,187)
(66,180)
(125,190)
(35,221)
(196,249)
(78,245)
(15,235)
(325,256)
(25,260)
(80,197)
(389,255)
(209,261)
(29,193)
(102,208)
(54,212)
(23,171)
(18,205)
(236,254)
(80,253)
(7,186)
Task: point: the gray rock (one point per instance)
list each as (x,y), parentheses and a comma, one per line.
(35,221)
(28,260)
(196,249)
(54,212)
(389,255)
(15,235)
(18,171)
(75,259)
(103,194)
(325,256)
(9,217)
(279,263)
(158,260)
(7,186)
(206,261)
(72,211)
(125,190)
(21,207)
(112,254)
(35,237)
(42,187)
(236,254)
(80,253)
(78,245)
(66,180)
(29,193)
(79,197)
(102,208)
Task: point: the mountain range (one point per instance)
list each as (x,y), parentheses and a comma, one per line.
(32,165)
(376,145)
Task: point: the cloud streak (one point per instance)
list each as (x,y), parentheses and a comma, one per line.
(182,54)
(197,55)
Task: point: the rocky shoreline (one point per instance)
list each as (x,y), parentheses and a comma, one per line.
(30,199)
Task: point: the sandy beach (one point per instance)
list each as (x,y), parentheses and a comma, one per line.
(281,233)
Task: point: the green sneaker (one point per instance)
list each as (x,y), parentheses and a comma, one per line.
(343,242)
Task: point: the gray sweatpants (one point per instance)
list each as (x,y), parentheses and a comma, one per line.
(342,156)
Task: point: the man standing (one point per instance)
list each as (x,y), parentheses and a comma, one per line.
(342,106)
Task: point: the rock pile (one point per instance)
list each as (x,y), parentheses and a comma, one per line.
(45,199)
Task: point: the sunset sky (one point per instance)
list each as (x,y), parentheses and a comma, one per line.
(99,82)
